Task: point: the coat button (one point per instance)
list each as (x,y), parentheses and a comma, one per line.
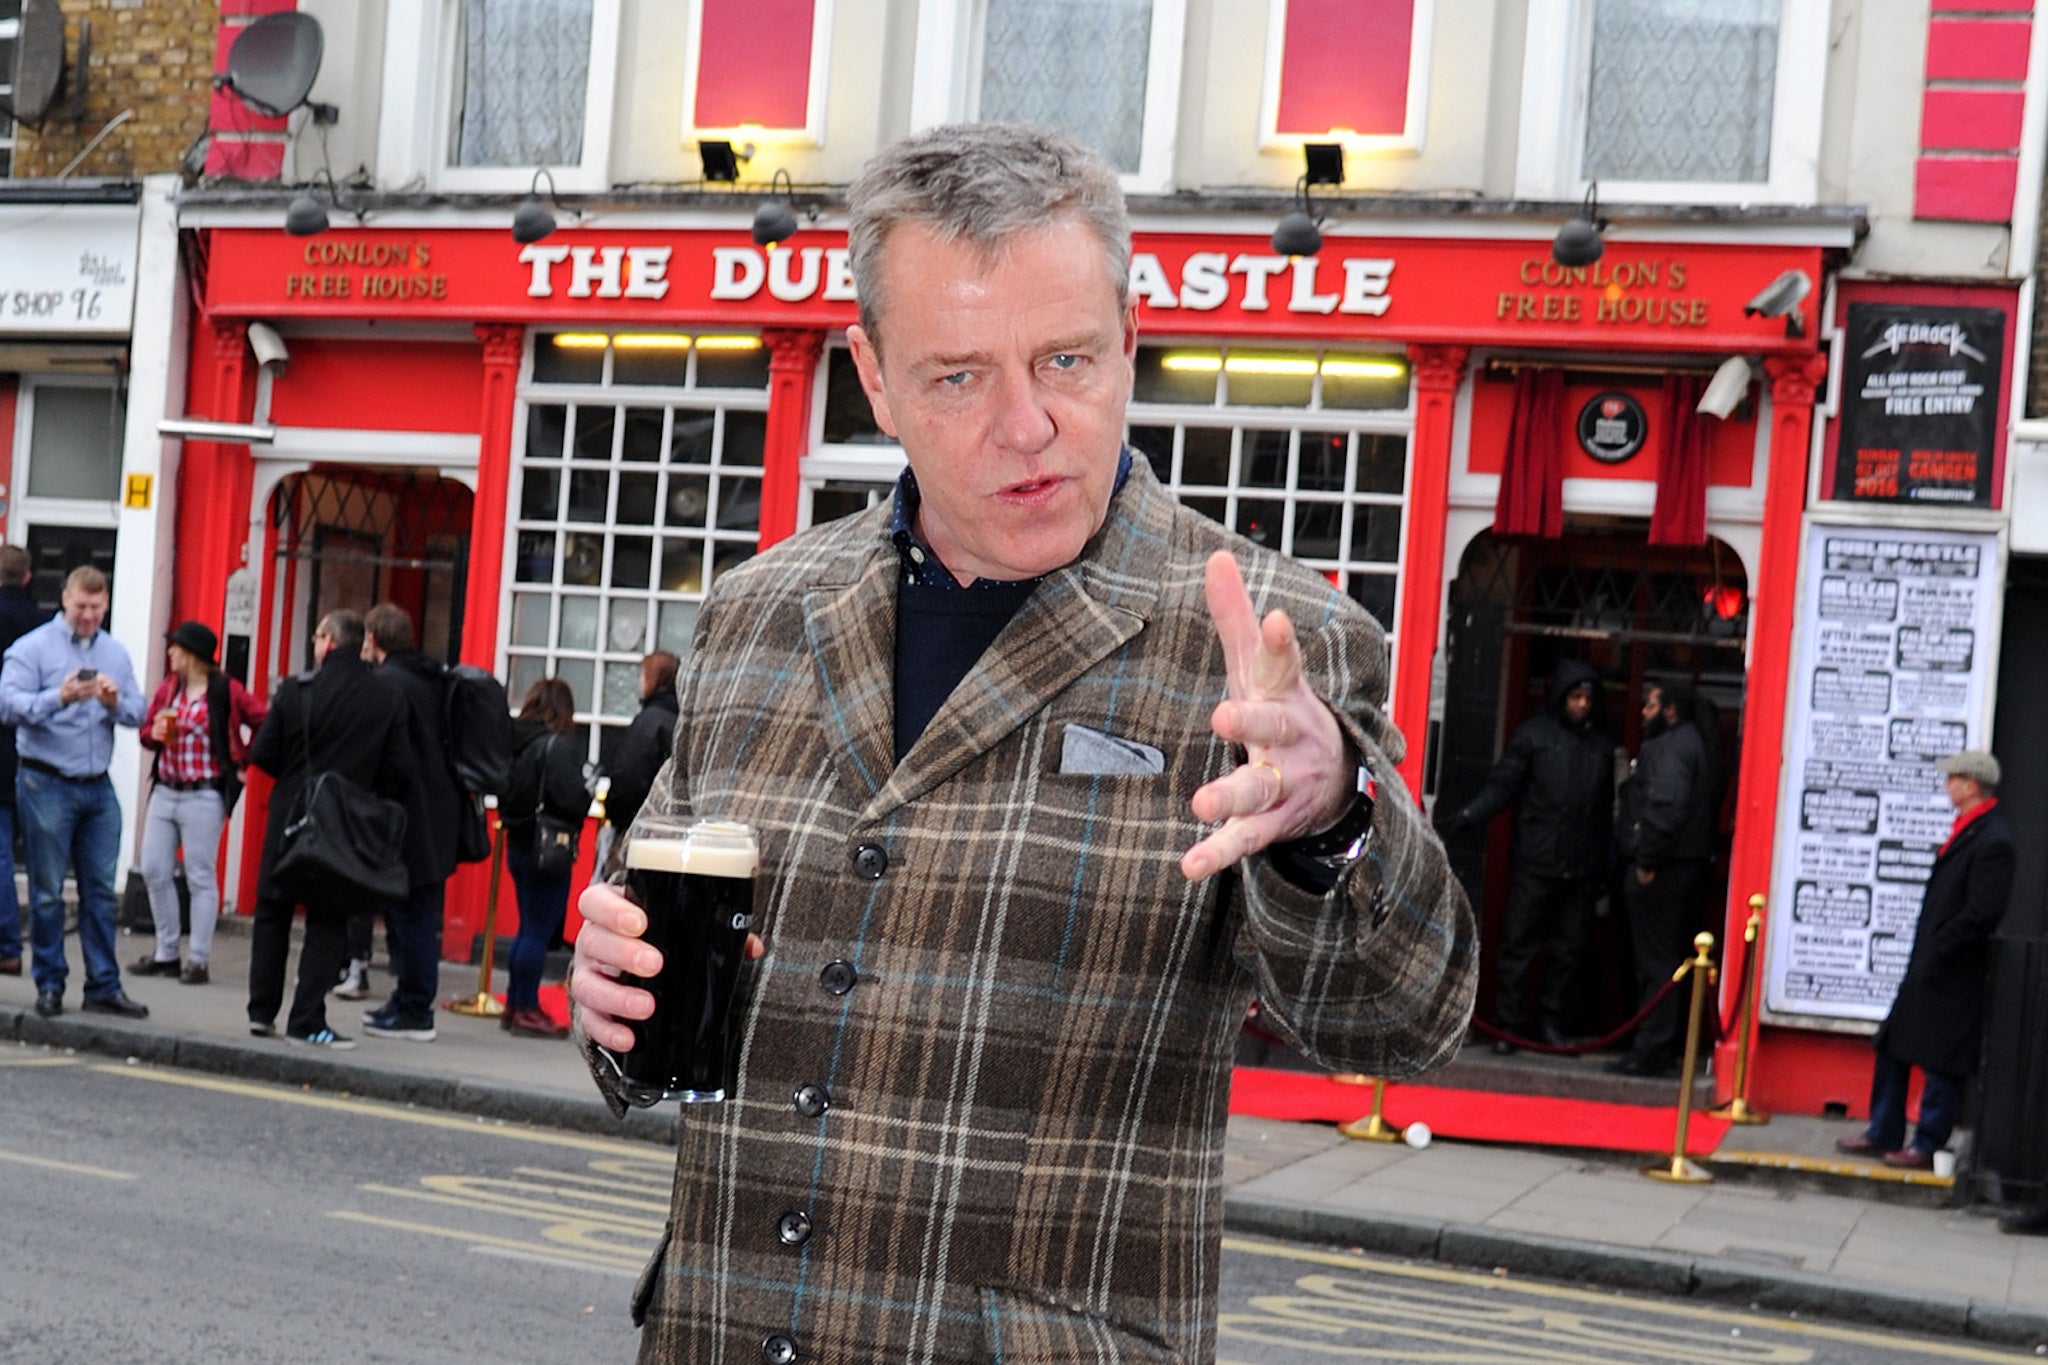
(793,1229)
(779,1350)
(870,862)
(813,1100)
(838,977)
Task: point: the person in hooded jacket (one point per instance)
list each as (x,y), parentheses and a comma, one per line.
(1937,1018)
(547,774)
(1558,773)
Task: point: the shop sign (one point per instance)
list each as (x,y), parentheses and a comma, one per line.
(1896,631)
(1920,418)
(1612,426)
(68,269)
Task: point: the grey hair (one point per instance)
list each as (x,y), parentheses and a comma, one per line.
(982,184)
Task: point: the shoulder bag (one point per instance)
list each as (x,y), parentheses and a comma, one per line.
(554,839)
(341,838)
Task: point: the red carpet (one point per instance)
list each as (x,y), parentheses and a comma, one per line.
(1475,1115)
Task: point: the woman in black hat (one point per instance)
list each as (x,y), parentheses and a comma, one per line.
(200,722)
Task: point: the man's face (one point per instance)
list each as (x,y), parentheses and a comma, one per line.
(1006,383)
(1963,792)
(322,642)
(83,611)
(1653,705)
(1578,704)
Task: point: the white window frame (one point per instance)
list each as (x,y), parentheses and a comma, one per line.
(810,134)
(419,89)
(48,511)
(1556,66)
(945,86)
(1415,123)
(9,28)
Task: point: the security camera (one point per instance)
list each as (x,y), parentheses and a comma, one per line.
(268,346)
(1781,299)
(1726,389)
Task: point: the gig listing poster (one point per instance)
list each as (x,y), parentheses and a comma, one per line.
(1921,411)
(1894,667)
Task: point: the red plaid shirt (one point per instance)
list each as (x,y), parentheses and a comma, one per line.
(189,755)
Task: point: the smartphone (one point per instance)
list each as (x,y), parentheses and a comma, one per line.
(87,674)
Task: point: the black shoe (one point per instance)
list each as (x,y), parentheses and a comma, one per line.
(1861,1144)
(2027,1222)
(150,966)
(117,1003)
(1635,1064)
(195,974)
(10,966)
(1551,1034)
(49,1004)
(1503,1048)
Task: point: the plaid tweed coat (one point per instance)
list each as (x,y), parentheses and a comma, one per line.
(987,1057)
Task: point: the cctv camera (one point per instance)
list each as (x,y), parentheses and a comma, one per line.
(1781,296)
(268,346)
(1726,389)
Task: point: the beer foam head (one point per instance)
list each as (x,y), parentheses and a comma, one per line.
(715,848)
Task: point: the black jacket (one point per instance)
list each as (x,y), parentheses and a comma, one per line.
(642,750)
(1560,779)
(1937,1018)
(1667,803)
(18,616)
(433,803)
(358,728)
(546,768)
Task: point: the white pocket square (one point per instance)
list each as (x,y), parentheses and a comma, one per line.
(1091,753)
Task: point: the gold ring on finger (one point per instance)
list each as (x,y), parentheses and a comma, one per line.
(1279,780)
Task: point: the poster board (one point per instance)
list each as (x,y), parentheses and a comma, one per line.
(1897,629)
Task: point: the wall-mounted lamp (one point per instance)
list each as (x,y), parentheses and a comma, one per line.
(1781,299)
(532,221)
(1579,241)
(722,160)
(775,221)
(1300,231)
(306,217)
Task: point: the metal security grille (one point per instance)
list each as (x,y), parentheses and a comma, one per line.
(1610,586)
(1303,451)
(638,484)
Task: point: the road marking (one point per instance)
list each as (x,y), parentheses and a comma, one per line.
(67,1167)
(378,1108)
(38,1061)
(483,1242)
(1332,1307)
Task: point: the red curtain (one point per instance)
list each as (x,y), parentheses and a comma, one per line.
(1531,499)
(1680,515)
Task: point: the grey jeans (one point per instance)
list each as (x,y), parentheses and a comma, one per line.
(192,819)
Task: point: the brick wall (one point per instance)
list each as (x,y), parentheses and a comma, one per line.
(156,58)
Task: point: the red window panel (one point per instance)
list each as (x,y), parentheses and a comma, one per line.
(754,64)
(1344,64)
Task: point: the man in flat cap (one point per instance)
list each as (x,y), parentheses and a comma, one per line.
(1937,1018)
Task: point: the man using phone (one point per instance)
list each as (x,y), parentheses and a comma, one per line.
(64,686)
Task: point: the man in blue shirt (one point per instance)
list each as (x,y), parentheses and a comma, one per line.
(64,686)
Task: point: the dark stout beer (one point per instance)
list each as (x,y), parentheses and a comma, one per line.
(696,883)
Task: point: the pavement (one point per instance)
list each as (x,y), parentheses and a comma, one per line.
(1783,1226)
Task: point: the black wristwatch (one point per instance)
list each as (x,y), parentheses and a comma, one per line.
(1345,840)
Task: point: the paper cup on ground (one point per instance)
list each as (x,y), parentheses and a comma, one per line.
(1945,1164)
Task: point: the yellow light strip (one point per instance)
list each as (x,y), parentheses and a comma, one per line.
(1191,364)
(651,341)
(1186,362)
(728,343)
(580,341)
(1270,364)
(1365,369)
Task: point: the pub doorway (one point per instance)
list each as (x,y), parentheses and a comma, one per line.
(1638,614)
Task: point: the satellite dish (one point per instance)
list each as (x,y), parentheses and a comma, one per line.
(274,61)
(39,60)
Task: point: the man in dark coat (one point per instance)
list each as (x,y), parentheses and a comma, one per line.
(18,616)
(433,813)
(1937,1018)
(340,718)
(1558,773)
(1667,835)
(647,742)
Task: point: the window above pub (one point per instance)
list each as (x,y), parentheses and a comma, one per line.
(480,94)
(1106,71)
(1705,101)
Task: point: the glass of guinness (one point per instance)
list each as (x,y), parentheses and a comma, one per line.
(695,880)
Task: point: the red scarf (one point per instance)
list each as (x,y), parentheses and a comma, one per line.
(1963,821)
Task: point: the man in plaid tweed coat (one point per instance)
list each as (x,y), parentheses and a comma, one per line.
(987,1041)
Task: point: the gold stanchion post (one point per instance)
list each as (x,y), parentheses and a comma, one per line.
(1373,1127)
(1680,1170)
(483,1004)
(1737,1110)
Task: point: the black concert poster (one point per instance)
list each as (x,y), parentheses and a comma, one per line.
(1920,404)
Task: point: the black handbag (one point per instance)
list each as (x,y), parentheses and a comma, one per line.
(341,839)
(554,839)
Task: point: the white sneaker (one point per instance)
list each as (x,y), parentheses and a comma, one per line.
(355,982)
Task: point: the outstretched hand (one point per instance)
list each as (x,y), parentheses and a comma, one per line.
(1295,779)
